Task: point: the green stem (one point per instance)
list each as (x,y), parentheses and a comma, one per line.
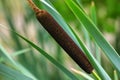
(96,75)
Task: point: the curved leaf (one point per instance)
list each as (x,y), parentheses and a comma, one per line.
(68,73)
(95,33)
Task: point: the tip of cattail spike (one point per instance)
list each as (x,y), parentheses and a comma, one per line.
(33,6)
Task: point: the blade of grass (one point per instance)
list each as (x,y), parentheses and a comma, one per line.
(94,19)
(4,54)
(93,13)
(78,1)
(9,16)
(20,52)
(68,73)
(95,33)
(115,75)
(9,19)
(87,37)
(11,74)
(82,74)
(6,57)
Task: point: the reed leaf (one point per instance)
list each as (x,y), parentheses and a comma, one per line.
(95,33)
(45,54)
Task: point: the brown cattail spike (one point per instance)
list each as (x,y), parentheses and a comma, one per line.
(62,38)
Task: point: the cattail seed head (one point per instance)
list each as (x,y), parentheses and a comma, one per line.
(63,39)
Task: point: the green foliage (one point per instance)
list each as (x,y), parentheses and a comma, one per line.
(88,26)
(96,34)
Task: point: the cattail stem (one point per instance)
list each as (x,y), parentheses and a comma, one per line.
(33,6)
(62,38)
(95,74)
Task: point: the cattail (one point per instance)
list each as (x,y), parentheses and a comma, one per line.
(62,38)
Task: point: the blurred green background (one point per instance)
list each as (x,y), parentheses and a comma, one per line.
(17,15)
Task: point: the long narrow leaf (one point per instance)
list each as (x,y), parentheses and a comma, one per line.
(20,52)
(68,73)
(10,74)
(94,19)
(4,54)
(115,75)
(86,76)
(95,33)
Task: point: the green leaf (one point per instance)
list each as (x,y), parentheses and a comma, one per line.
(95,33)
(93,13)
(94,19)
(68,73)
(5,56)
(7,73)
(115,75)
(20,52)
(86,76)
